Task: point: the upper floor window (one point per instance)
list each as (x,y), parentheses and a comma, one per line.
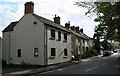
(36,52)
(83,40)
(87,48)
(83,48)
(53,33)
(65,36)
(78,39)
(19,53)
(59,35)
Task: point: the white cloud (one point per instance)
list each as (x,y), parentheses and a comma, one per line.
(47,8)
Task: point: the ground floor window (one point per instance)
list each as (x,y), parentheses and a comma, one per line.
(65,52)
(36,52)
(53,53)
(87,49)
(19,53)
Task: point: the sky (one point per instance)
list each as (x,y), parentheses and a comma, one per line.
(13,10)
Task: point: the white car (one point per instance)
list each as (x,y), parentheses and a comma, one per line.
(116,50)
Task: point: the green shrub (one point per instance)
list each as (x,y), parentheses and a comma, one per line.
(87,54)
(4,63)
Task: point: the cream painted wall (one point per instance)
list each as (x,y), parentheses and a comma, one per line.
(0,48)
(6,46)
(59,45)
(27,36)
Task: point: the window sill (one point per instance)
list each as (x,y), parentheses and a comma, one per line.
(64,40)
(65,57)
(52,38)
(35,56)
(58,40)
(52,57)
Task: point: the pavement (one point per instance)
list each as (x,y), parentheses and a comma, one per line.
(49,68)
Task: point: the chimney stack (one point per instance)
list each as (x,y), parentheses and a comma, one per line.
(73,28)
(57,19)
(29,7)
(81,30)
(67,25)
(77,29)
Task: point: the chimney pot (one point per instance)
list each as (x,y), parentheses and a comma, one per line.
(81,30)
(57,19)
(67,25)
(73,28)
(77,29)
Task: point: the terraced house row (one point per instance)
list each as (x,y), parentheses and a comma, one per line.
(38,41)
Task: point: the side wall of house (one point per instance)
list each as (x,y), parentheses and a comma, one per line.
(73,43)
(6,42)
(27,36)
(0,48)
(59,46)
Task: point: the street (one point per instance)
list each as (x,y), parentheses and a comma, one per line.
(103,65)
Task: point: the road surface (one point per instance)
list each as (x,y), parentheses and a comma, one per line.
(103,65)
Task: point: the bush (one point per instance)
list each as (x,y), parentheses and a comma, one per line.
(4,63)
(87,54)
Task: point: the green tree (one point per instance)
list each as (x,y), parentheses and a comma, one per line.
(108,16)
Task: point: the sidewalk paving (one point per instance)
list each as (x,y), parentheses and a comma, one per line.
(49,68)
(91,58)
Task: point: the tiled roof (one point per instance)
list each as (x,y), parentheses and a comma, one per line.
(10,27)
(51,23)
(82,35)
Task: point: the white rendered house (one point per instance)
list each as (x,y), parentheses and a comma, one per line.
(36,40)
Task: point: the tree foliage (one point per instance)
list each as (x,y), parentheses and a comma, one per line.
(108,16)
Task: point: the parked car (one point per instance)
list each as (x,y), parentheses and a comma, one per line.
(116,50)
(107,53)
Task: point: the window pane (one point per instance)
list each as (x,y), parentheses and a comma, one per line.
(65,36)
(36,52)
(59,35)
(19,52)
(52,51)
(52,33)
(65,52)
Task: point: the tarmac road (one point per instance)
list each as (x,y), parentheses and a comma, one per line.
(103,65)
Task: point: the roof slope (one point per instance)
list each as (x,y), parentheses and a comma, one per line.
(51,23)
(10,27)
(80,34)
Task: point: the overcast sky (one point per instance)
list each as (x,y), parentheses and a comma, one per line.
(13,10)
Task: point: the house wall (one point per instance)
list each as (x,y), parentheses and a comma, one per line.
(73,43)
(27,36)
(59,45)
(0,48)
(6,46)
(86,45)
(91,44)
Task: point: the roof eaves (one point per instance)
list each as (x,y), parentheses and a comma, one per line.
(10,27)
(51,23)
